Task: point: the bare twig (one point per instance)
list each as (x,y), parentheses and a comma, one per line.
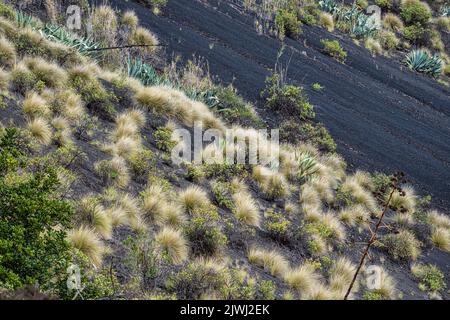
(374,233)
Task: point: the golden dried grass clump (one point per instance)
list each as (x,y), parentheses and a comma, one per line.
(270,260)
(173,244)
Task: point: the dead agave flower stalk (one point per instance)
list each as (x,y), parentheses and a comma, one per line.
(396,181)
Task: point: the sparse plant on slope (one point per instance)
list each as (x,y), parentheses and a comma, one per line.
(422,61)
(172,244)
(34,221)
(271,261)
(431,278)
(288,24)
(289,99)
(334,49)
(402,245)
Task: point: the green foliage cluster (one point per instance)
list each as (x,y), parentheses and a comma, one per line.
(33,248)
(233,108)
(204,233)
(430,277)
(288,24)
(288,99)
(333,49)
(163,138)
(277,225)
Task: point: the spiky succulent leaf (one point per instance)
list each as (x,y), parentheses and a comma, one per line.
(422,61)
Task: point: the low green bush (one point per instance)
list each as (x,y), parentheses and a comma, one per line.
(288,24)
(415,12)
(288,99)
(333,49)
(33,249)
(277,225)
(205,235)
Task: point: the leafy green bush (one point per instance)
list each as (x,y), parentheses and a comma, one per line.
(430,277)
(288,24)
(205,235)
(414,12)
(422,61)
(163,138)
(334,49)
(141,162)
(33,248)
(385,4)
(7,11)
(267,290)
(292,131)
(277,225)
(92,92)
(414,33)
(233,109)
(288,99)
(195,279)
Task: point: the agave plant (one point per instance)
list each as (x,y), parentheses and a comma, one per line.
(422,61)
(25,20)
(144,73)
(445,10)
(328,6)
(306,165)
(83,45)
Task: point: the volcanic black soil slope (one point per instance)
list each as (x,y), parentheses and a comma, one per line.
(383,116)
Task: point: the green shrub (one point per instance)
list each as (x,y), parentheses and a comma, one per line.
(334,49)
(381,183)
(224,171)
(287,23)
(196,279)
(293,131)
(163,138)
(317,86)
(141,162)
(372,295)
(222,194)
(385,4)
(7,11)
(318,135)
(267,290)
(33,248)
(430,277)
(414,33)
(93,93)
(95,283)
(277,225)
(288,99)
(308,14)
(414,12)
(194,173)
(233,109)
(205,235)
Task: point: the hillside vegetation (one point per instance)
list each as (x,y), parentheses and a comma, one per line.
(87,182)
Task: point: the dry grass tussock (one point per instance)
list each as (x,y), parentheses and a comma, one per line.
(172,243)
(87,241)
(270,260)
(175,104)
